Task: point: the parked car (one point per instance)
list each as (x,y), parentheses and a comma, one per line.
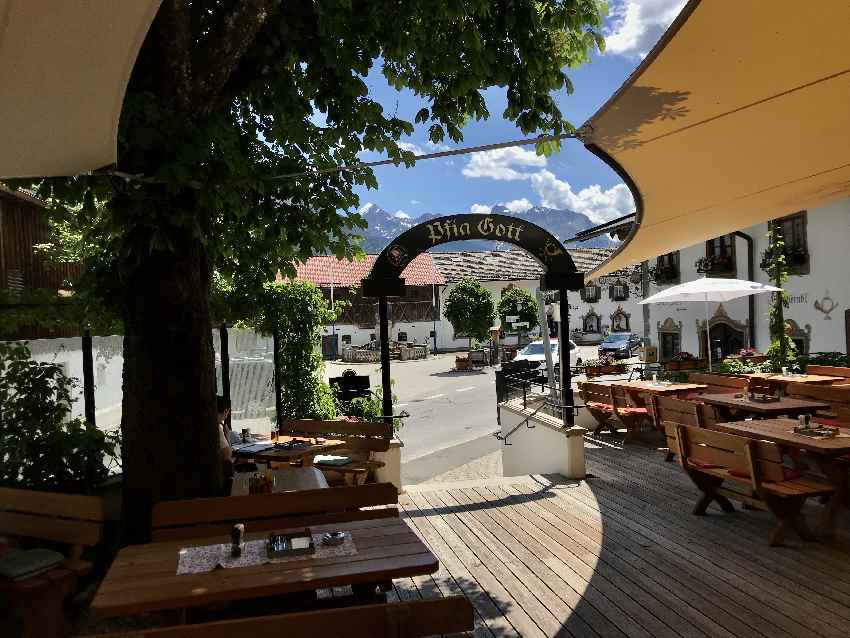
(534,352)
(620,345)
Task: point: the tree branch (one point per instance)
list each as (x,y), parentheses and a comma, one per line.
(175,48)
(224,47)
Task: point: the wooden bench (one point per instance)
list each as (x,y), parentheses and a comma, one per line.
(838,396)
(68,520)
(612,406)
(669,410)
(393,620)
(203,517)
(362,440)
(719,383)
(711,458)
(830,371)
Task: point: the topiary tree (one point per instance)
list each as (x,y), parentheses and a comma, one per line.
(516,302)
(235,115)
(470,309)
(298,312)
(782,352)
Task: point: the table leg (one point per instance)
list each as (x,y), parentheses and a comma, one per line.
(836,473)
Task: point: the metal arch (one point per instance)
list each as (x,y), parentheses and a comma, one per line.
(385,278)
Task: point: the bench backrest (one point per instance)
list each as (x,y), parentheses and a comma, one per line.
(393,620)
(836,395)
(669,410)
(596,393)
(200,517)
(73,519)
(829,371)
(358,435)
(718,383)
(760,459)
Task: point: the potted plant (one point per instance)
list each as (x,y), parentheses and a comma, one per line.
(605,364)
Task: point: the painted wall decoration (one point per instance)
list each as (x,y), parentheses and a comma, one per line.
(826,305)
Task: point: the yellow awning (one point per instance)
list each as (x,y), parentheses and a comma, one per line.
(739,115)
(64,68)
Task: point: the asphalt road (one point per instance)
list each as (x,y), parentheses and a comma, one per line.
(452,414)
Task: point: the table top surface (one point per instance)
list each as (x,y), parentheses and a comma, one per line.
(781,431)
(284,480)
(281,454)
(782,406)
(660,387)
(799,378)
(144,578)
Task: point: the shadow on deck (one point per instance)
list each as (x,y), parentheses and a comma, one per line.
(621,555)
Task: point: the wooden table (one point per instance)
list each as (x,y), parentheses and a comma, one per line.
(778,378)
(726,403)
(144,578)
(283,455)
(825,452)
(287,479)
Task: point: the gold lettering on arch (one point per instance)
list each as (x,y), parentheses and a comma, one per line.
(485,226)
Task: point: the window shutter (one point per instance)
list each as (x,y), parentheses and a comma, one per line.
(583,294)
(625,292)
(611,290)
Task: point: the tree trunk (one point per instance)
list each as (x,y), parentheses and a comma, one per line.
(170,435)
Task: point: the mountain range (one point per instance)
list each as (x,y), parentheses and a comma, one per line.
(563,224)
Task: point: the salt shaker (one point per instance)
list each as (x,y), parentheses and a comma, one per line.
(236,536)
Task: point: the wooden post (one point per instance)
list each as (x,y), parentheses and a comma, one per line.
(278,397)
(386,386)
(88,377)
(225,371)
(564,359)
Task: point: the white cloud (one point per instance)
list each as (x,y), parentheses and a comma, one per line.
(415,202)
(413,148)
(435,147)
(599,205)
(400,214)
(502,163)
(480,209)
(518,205)
(636,25)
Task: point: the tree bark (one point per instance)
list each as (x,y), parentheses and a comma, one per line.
(170,438)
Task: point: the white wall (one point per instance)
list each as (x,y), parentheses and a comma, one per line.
(828,234)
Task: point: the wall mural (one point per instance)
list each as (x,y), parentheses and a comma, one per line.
(826,305)
(620,320)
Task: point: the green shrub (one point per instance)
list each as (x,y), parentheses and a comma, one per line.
(41,447)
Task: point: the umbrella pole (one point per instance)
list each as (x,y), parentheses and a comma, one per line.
(707,335)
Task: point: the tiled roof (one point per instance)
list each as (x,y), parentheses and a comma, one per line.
(326,270)
(508,265)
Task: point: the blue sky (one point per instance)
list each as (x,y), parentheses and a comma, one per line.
(516,177)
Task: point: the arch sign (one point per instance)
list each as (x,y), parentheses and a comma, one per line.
(560,271)
(559,274)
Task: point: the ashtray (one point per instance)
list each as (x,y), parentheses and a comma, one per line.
(739,396)
(298,543)
(765,398)
(333,538)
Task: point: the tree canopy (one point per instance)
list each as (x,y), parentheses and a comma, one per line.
(470,309)
(516,302)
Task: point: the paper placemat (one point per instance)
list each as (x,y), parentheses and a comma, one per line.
(206,558)
(840,435)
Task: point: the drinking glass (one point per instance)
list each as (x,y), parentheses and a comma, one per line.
(273,436)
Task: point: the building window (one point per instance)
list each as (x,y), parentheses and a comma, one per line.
(719,260)
(619,291)
(591,294)
(666,269)
(402,336)
(793,231)
(620,321)
(372,336)
(346,339)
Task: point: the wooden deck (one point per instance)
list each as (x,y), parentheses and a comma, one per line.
(621,555)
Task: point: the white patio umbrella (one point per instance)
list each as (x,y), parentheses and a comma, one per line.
(710,289)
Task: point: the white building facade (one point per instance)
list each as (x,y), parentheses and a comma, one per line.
(816,244)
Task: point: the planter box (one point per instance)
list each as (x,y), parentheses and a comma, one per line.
(462,363)
(597,371)
(353,355)
(391,472)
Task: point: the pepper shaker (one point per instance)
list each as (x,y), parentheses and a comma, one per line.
(236,536)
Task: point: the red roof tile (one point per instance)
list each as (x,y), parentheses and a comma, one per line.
(325,270)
